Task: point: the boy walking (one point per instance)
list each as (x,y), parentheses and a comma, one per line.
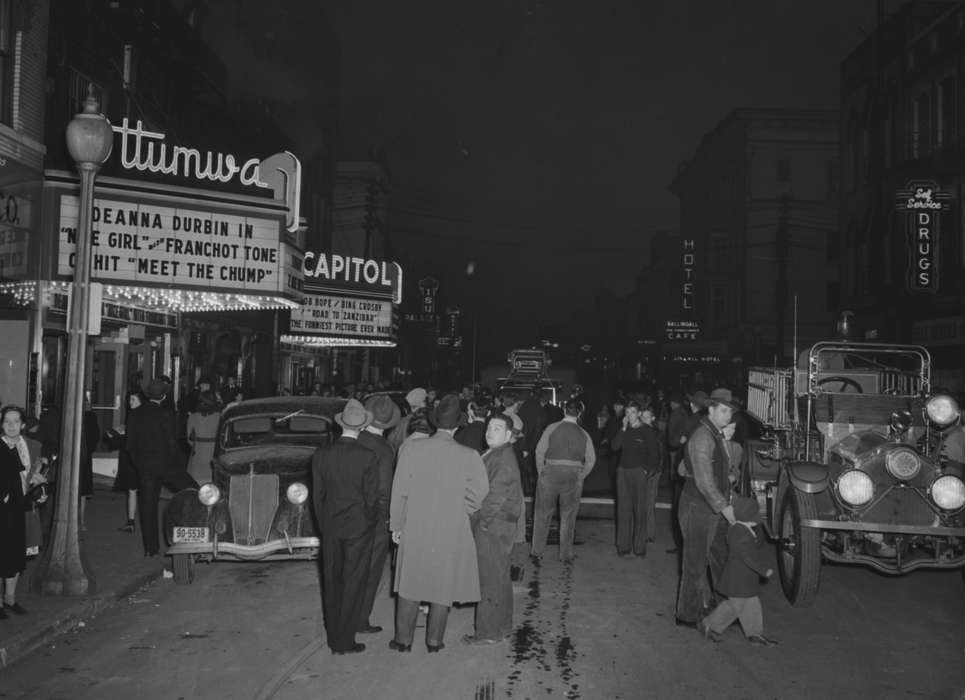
(741,579)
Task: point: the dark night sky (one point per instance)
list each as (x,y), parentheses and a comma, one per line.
(537,138)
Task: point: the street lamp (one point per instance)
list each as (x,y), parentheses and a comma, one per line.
(62,570)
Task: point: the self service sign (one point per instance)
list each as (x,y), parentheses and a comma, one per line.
(922,204)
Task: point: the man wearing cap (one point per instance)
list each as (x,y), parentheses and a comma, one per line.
(564,456)
(416,400)
(345,494)
(438,484)
(152,444)
(705,498)
(385,416)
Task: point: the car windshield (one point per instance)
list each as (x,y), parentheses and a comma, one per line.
(288,429)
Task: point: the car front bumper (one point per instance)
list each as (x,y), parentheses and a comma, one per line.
(939,530)
(292,548)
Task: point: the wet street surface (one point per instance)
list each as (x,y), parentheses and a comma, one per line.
(599,628)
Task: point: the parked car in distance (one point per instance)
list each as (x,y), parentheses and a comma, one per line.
(257,505)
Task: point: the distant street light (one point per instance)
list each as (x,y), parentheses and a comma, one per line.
(62,570)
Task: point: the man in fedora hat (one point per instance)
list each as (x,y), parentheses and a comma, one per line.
(385,416)
(704,505)
(438,482)
(152,444)
(345,493)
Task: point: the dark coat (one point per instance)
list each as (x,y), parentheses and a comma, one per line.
(152,441)
(745,565)
(473,436)
(345,486)
(381,447)
(504,500)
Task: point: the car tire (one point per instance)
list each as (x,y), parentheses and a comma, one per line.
(798,548)
(183,568)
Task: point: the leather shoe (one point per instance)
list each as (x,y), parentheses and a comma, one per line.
(370,629)
(684,623)
(354,649)
(398,646)
(433,648)
(15,607)
(759,640)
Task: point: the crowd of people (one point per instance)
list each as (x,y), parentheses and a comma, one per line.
(445,479)
(448,479)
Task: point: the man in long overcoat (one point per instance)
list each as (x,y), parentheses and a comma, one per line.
(152,443)
(345,489)
(438,484)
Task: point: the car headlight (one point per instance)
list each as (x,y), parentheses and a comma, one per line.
(856,487)
(948,492)
(209,494)
(297,493)
(942,410)
(903,464)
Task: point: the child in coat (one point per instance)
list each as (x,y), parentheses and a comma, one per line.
(740,581)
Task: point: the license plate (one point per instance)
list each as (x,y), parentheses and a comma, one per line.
(190,534)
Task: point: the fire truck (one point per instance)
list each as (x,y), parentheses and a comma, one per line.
(849,466)
(530,370)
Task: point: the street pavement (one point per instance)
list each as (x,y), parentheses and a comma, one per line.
(116,563)
(601,628)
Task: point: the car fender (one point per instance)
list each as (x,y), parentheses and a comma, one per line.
(808,477)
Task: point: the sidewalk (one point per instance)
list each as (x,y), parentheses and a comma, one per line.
(116,564)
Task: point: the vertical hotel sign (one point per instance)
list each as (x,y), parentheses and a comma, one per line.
(922,204)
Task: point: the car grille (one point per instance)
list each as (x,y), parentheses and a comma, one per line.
(252,501)
(901,506)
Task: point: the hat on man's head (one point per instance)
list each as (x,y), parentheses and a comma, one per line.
(417,397)
(156,389)
(747,510)
(724,396)
(447,415)
(385,413)
(699,398)
(353,416)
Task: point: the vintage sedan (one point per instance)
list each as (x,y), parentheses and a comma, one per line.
(257,505)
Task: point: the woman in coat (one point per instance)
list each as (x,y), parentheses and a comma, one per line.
(19,469)
(438,484)
(202,433)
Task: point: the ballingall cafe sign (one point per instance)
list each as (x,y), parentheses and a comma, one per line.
(183,248)
(922,204)
(349,301)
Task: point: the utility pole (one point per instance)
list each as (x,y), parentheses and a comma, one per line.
(782,245)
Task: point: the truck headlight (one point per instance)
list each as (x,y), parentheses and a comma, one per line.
(209,494)
(948,492)
(942,410)
(903,464)
(297,493)
(855,487)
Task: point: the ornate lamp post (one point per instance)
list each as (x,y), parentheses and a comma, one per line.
(62,570)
